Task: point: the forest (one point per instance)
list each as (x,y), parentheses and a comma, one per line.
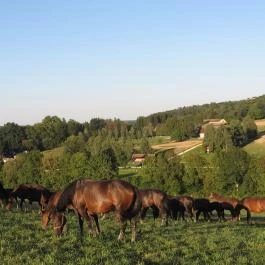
(54,151)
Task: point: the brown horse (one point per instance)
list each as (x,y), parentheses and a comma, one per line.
(157,200)
(31,192)
(202,205)
(220,198)
(91,197)
(176,208)
(228,203)
(250,204)
(49,211)
(187,202)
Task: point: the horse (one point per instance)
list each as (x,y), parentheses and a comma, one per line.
(176,208)
(228,203)
(220,198)
(92,197)
(218,207)
(31,192)
(187,202)
(201,205)
(49,212)
(250,204)
(157,200)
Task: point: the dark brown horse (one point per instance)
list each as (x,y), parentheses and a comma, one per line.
(250,204)
(91,197)
(202,205)
(228,203)
(33,193)
(157,200)
(176,208)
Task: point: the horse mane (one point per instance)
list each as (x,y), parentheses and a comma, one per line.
(67,196)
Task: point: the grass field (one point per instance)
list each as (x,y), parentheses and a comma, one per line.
(23,242)
(256,147)
(178,147)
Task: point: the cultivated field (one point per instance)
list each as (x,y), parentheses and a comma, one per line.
(178,147)
(23,242)
(256,147)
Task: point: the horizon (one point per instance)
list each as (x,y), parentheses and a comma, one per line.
(127,59)
(132,120)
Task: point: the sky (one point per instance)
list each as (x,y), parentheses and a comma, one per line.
(124,59)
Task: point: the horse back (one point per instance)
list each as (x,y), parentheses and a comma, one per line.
(104,196)
(153,197)
(254,204)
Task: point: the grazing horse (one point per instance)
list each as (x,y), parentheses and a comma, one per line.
(218,207)
(250,204)
(202,205)
(176,208)
(220,198)
(49,211)
(157,200)
(91,197)
(187,202)
(31,192)
(228,203)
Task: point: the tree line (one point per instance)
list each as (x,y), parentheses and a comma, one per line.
(180,124)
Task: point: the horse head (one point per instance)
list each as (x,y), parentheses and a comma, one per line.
(59,222)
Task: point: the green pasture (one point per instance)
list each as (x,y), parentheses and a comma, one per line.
(255,149)
(22,241)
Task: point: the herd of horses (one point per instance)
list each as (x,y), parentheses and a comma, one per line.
(89,198)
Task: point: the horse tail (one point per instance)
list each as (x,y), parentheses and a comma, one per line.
(166,205)
(3,193)
(66,197)
(135,206)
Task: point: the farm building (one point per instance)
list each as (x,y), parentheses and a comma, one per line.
(214,122)
(138,159)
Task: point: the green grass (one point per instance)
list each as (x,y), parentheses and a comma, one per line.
(23,242)
(255,149)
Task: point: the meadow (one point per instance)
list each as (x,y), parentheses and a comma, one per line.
(23,241)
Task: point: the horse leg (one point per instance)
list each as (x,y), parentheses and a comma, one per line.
(207,217)
(81,226)
(163,217)
(133,228)
(21,204)
(143,214)
(123,225)
(248,216)
(198,214)
(95,216)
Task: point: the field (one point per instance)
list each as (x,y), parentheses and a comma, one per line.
(256,147)
(23,242)
(178,147)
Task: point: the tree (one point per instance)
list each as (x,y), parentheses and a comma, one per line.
(249,128)
(74,127)
(11,137)
(164,174)
(231,167)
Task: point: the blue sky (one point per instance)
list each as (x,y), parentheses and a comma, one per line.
(124,59)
